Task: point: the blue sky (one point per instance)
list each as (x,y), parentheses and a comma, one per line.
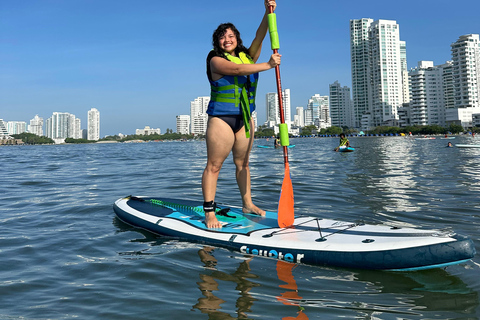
(142,62)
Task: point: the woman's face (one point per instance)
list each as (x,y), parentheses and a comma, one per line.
(228,42)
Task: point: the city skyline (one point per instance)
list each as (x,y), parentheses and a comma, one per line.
(130,61)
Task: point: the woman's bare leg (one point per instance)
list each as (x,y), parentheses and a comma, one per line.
(220,140)
(241,152)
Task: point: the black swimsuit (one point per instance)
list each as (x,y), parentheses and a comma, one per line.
(234,121)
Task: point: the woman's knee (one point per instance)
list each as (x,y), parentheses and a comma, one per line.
(213,167)
(241,163)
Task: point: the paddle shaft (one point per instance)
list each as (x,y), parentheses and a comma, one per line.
(280,98)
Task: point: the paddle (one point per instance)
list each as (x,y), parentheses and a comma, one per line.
(285,204)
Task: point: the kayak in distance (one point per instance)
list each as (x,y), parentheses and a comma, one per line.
(310,240)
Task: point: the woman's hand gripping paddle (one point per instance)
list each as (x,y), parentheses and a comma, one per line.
(285,204)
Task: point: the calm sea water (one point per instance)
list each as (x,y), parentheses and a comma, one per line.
(64,254)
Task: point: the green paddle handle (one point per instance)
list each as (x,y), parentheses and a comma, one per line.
(272,27)
(284,135)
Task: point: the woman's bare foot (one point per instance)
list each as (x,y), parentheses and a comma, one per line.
(211,220)
(253,209)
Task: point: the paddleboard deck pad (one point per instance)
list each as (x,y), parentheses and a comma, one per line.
(309,240)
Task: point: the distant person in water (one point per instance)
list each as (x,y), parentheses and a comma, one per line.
(449,145)
(233,68)
(344,143)
(276,144)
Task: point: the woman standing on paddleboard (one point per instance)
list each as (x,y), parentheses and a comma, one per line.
(233,74)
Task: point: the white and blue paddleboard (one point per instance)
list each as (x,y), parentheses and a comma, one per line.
(309,240)
(467,145)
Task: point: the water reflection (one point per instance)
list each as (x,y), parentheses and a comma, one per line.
(385,174)
(209,303)
(289,297)
(434,294)
(421,293)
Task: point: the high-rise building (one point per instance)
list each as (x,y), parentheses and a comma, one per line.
(36,126)
(255,120)
(427,101)
(287,106)
(405,78)
(341,106)
(62,125)
(3,128)
(466,80)
(299,118)
(273,108)
(448,87)
(198,115)
(318,110)
(466,70)
(359,50)
(378,71)
(93,125)
(385,72)
(183,124)
(271,103)
(16,127)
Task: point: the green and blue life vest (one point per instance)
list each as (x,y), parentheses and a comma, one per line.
(343,142)
(234,95)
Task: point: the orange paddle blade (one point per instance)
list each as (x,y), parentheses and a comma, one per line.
(285,204)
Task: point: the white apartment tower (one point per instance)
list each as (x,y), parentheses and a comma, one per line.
(36,126)
(378,71)
(317,110)
(183,124)
(386,90)
(3,128)
(16,127)
(299,118)
(93,125)
(341,106)
(448,86)
(286,106)
(62,125)
(359,51)
(427,100)
(271,103)
(273,108)
(198,115)
(405,78)
(466,70)
(466,80)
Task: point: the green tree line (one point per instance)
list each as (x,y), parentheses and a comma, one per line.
(30,138)
(152,137)
(263,131)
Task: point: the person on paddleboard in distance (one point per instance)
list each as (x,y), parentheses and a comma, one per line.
(276,144)
(230,127)
(344,143)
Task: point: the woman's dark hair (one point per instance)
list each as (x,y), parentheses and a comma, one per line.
(219,32)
